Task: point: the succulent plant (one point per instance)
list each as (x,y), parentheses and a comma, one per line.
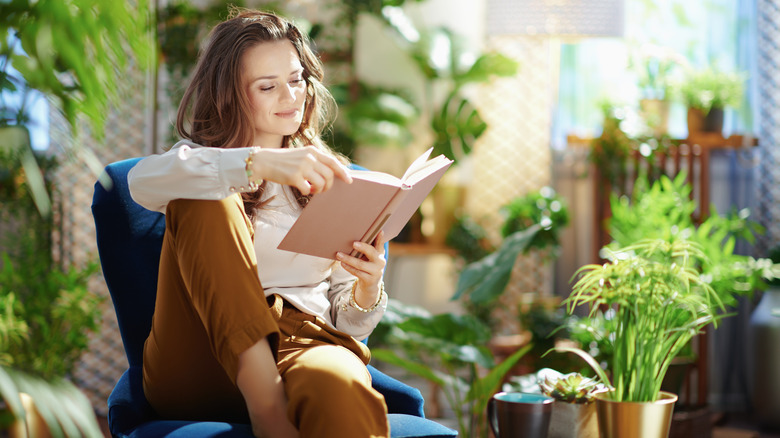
(571,388)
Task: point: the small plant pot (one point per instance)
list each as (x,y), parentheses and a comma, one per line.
(656,115)
(519,415)
(699,122)
(574,420)
(637,420)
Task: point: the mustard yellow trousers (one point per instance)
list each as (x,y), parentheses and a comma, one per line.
(211,307)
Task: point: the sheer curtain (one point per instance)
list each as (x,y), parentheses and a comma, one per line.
(720,33)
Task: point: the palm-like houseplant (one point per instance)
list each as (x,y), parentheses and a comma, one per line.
(661,301)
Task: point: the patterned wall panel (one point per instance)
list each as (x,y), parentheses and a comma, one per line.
(512,158)
(769,129)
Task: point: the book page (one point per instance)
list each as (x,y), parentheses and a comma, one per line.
(417,192)
(426,169)
(419,163)
(379,177)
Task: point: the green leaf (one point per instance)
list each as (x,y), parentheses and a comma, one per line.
(489,66)
(43,403)
(34,177)
(457,126)
(6,83)
(484,388)
(457,329)
(415,368)
(78,409)
(10,394)
(484,280)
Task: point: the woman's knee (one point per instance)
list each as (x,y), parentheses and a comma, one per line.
(334,376)
(328,368)
(331,382)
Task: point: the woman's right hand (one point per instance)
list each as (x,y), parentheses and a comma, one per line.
(308,169)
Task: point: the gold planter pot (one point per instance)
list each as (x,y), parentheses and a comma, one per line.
(637,420)
(34,426)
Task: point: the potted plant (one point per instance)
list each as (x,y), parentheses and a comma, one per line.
(574,410)
(655,66)
(660,302)
(706,93)
(574,413)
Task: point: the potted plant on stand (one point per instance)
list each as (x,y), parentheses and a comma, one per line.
(660,302)
(654,66)
(707,93)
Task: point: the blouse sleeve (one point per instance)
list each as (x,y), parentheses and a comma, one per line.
(188,171)
(346,318)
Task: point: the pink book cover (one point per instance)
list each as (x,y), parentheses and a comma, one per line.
(374,201)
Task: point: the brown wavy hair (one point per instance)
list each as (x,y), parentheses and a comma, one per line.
(215,110)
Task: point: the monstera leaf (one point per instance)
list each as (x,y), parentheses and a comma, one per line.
(486,279)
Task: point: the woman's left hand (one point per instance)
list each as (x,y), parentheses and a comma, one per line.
(368,269)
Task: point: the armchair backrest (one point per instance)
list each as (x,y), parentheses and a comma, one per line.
(129,239)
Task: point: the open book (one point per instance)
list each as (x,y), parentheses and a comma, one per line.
(375,201)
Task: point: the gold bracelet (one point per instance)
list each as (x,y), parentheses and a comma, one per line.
(250,173)
(354,303)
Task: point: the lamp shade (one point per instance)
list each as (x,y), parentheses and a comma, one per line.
(555,17)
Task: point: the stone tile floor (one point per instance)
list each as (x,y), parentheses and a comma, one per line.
(740,426)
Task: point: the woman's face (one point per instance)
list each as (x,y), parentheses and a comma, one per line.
(273,80)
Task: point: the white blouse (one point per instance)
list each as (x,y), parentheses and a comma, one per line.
(317,286)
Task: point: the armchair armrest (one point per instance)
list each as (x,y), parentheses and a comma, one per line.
(127,405)
(400,397)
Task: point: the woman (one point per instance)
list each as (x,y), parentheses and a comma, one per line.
(241,329)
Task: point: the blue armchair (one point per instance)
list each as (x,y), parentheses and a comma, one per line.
(129,239)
